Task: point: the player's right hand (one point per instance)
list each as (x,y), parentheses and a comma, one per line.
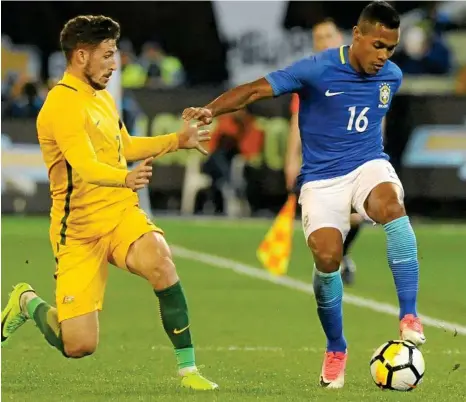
(139,177)
(202,114)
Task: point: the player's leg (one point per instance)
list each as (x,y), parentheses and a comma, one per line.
(74,337)
(348,267)
(355,223)
(140,247)
(380,195)
(326,209)
(72,327)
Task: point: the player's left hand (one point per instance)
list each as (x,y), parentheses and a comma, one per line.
(202,114)
(191,137)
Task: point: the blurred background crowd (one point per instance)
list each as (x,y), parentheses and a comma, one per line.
(178,54)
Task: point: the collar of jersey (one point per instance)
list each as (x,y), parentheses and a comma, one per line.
(76,83)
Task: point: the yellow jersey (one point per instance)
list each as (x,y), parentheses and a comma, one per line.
(86,149)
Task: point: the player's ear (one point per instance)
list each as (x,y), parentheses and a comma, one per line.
(82,56)
(356,33)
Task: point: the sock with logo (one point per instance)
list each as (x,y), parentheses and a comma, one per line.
(402,259)
(328,289)
(46,319)
(175,320)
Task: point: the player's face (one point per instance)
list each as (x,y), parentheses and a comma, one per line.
(325,36)
(375,46)
(100,64)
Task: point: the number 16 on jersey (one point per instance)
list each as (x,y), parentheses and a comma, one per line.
(361,122)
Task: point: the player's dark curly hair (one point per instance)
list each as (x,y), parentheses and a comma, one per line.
(382,12)
(87,30)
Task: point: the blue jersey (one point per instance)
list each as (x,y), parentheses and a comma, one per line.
(340,111)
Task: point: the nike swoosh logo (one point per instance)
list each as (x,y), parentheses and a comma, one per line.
(179,331)
(3,324)
(323,383)
(403,260)
(328,93)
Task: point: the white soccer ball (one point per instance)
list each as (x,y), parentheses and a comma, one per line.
(397,365)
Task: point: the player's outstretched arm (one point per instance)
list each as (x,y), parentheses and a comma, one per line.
(230,101)
(290,79)
(138,148)
(293,153)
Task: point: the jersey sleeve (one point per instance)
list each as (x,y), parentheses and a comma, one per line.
(294,77)
(399,77)
(138,148)
(69,132)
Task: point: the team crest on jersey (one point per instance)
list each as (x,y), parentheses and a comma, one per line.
(384,95)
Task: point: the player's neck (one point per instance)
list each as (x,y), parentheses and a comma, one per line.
(353,61)
(76,74)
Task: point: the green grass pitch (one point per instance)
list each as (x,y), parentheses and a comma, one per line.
(257,340)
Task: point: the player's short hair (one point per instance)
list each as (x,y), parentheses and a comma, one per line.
(327,20)
(87,30)
(380,12)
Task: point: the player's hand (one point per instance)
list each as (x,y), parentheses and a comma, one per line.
(292,169)
(139,177)
(202,114)
(190,137)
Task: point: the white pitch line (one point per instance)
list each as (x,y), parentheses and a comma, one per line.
(279,349)
(306,287)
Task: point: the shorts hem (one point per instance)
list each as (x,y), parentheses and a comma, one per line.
(312,229)
(64,317)
(366,193)
(127,245)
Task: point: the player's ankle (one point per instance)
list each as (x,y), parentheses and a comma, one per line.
(186,370)
(25,298)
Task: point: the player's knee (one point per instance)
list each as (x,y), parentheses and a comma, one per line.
(328,260)
(79,349)
(151,259)
(392,209)
(326,245)
(159,269)
(356,220)
(161,273)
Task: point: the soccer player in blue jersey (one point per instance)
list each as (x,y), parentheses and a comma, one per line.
(344,94)
(325,35)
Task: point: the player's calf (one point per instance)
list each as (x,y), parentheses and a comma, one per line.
(150,257)
(327,247)
(385,206)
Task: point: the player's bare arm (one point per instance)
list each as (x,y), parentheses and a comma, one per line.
(293,153)
(230,101)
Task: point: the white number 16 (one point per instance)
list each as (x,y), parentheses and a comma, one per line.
(361,121)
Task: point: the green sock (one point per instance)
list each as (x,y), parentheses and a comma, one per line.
(175,320)
(46,320)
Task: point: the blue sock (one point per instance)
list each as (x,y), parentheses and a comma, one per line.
(402,259)
(328,289)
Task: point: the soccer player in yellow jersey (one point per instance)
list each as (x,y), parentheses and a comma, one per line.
(95,217)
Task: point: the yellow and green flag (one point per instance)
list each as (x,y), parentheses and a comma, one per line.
(275,250)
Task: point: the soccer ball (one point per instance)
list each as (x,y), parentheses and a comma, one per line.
(398,366)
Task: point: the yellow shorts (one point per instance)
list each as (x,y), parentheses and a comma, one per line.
(82,267)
